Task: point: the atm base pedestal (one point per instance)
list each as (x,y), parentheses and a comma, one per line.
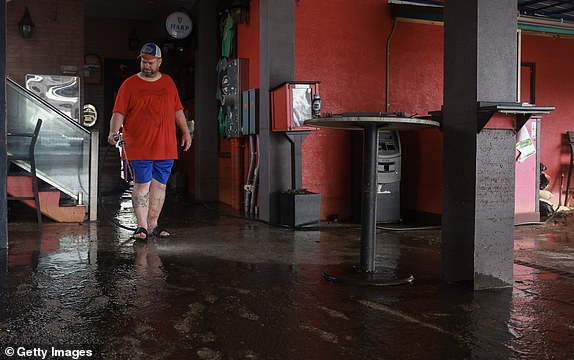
(300,209)
(389,203)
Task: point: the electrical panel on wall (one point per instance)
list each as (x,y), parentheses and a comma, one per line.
(233,83)
(250,113)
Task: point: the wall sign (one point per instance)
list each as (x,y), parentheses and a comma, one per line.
(178,25)
(92,69)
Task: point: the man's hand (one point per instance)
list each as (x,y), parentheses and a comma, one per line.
(115,125)
(181,123)
(113,139)
(186,141)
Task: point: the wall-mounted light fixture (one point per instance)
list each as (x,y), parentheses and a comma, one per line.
(26,25)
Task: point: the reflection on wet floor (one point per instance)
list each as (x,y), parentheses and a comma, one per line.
(223,287)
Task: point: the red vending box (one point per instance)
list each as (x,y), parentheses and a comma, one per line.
(291,104)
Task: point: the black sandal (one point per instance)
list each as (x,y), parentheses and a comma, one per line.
(139,230)
(157,232)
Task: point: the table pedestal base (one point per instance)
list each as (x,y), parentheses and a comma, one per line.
(370,124)
(356,277)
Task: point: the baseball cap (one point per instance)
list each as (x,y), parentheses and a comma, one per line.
(150,51)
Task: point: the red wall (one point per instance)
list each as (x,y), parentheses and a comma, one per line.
(344,47)
(416,87)
(248,43)
(554,78)
(234,154)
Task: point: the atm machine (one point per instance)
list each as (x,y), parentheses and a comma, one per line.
(389,177)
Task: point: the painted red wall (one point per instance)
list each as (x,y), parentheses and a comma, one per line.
(248,43)
(554,78)
(416,87)
(347,55)
(234,154)
(344,47)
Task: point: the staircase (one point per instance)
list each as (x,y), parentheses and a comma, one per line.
(50,201)
(62,155)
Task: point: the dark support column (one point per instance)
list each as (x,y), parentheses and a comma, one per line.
(277,65)
(3,165)
(478,194)
(206,132)
(296,139)
(369,199)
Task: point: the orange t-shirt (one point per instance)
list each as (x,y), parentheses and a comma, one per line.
(149,125)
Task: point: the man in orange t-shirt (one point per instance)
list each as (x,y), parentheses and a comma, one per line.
(148,109)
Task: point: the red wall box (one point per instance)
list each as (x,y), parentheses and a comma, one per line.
(291,105)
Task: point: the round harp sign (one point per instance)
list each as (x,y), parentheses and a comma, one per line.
(178,25)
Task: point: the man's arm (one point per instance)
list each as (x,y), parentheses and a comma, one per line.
(115,124)
(182,125)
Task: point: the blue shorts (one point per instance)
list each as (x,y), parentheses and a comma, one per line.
(145,170)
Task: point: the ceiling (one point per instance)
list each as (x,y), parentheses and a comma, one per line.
(133,9)
(557,10)
(562,10)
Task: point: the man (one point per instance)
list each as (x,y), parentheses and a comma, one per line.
(148,109)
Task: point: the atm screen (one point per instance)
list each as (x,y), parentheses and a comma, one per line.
(388,142)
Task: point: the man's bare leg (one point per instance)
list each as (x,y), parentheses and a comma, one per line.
(156,200)
(140,202)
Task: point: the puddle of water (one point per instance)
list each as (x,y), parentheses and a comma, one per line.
(227,289)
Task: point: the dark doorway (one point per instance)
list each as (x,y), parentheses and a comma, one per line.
(528,82)
(115,72)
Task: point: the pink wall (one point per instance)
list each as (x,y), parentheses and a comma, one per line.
(525,180)
(554,78)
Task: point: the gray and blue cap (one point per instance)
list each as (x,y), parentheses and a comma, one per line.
(150,51)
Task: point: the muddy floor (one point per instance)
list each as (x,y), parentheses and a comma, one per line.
(226,287)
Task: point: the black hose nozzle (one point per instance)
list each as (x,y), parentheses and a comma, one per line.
(119,141)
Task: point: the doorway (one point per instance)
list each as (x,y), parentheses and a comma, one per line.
(115,72)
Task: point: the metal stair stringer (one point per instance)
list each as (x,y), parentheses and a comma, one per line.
(49,201)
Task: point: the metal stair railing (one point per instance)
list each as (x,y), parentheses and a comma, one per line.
(63,148)
(30,159)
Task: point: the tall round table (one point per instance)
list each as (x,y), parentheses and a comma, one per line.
(370,123)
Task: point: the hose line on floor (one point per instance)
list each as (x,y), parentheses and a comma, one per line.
(100,201)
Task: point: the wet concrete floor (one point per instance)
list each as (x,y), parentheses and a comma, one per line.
(226,287)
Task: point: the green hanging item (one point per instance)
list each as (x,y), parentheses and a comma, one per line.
(227,37)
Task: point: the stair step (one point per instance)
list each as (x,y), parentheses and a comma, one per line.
(21,186)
